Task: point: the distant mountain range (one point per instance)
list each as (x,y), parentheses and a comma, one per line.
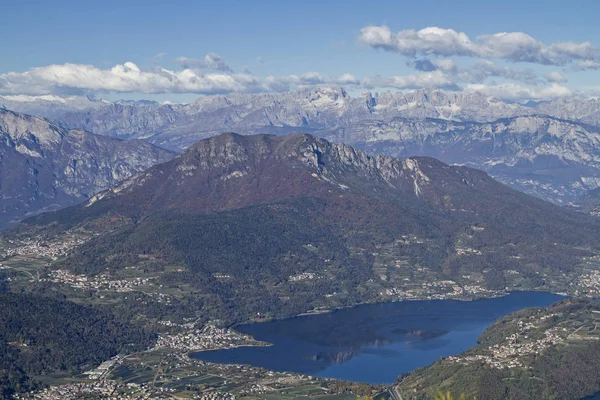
(548,149)
(45,167)
(240,219)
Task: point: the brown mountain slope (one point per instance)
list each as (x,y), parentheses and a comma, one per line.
(262,210)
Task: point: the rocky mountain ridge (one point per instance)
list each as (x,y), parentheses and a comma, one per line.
(551,158)
(506,139)
(43,166)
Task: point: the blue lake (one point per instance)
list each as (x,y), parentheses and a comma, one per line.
(374,343)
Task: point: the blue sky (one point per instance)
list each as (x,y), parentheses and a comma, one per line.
(258,39)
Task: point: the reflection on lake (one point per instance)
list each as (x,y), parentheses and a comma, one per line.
(374,343)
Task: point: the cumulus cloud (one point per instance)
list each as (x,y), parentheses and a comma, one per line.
(555,76)
(476,73)
(428,41)
(446,65)
(78,78)
(588,64)
(210,61)
(509,46)
(511,91)
(434,79)
(69,79)
(128,77)
(284,83)
(483,69)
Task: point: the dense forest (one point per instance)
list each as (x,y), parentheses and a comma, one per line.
(40,335)
(238,263)
(255,248)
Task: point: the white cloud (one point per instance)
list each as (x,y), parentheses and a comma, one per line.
(428,41)
(446,65)
(284,83)
(588,64)
(434,79)
(511,91)
(347,79)
(483,69)
(210,61)
(510,46)
(476,73)
(78,78)
(72,79)
(128,77)
(555,76)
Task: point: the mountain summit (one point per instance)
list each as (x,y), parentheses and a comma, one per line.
(242,218)
(546,149)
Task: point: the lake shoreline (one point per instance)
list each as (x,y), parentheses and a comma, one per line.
(497,294)
(333,344)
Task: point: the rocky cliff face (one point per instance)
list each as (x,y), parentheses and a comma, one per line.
(43,166)
(49,106)
(231,171)
(178,126)
(551,158)
(546,149)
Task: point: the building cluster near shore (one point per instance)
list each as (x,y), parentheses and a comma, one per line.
(207,338)
(524,342)
(509,355)
(588,284)
(439,290)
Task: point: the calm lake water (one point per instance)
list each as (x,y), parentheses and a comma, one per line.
(374,343)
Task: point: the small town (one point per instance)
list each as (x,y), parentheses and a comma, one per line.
(207,338)
(440,290)
(42,249)
(520,344)
(248,381)
(588,284)
(99,282)
(108,389)
(508,356)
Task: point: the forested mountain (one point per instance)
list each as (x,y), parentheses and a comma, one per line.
(44,167)
(243,216)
